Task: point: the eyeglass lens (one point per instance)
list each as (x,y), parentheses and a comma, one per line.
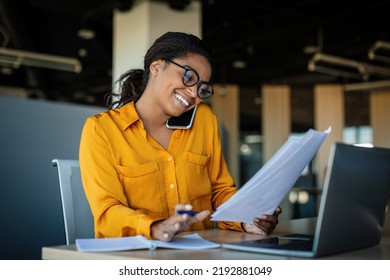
(191,77)
(204,90)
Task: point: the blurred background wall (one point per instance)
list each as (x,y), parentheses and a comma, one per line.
(32,133)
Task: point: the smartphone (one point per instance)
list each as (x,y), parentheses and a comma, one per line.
(184,121)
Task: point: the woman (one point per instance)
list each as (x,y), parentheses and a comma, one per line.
(137,173)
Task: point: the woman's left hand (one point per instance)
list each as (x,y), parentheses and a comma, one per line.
(264,224)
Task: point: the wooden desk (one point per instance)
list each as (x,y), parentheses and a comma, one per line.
(305,226)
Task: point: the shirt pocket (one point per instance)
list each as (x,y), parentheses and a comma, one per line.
(197,176)
(141,186)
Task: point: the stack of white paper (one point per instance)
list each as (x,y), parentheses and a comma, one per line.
(267,188)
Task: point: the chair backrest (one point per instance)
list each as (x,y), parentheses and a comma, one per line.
(78,219)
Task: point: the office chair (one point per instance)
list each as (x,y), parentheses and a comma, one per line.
(78,219)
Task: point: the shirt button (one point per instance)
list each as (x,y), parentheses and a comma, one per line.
(170,158)
(172,186)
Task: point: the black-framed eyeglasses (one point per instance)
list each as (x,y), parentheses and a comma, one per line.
(191,77)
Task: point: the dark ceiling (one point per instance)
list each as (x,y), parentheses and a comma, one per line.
(274,40)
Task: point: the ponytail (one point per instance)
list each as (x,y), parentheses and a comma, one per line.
(131,85)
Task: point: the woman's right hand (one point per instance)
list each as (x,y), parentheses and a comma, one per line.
(165,230)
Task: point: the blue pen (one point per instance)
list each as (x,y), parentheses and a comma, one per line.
(188,212)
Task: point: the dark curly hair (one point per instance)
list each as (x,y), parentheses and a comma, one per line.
(170,45)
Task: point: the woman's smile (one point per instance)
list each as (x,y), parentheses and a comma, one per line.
(182,100)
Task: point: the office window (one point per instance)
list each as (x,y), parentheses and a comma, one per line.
(357,119)
(359,135)
(250,155)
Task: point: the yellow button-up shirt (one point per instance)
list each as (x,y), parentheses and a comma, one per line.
(131,181)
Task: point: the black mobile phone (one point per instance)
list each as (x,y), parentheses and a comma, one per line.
(184,121)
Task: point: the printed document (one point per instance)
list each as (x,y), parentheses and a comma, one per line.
(262,193)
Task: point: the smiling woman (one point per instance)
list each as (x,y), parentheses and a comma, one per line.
(137,172)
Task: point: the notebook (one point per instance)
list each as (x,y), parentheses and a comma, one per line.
(352,207)
(186,242)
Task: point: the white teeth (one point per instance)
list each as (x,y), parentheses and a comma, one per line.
(182,100)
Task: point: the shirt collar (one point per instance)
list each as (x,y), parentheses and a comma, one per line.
(128,115)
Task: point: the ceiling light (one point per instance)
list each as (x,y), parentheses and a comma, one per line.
(83,52)
(16,58)
(343,67)
(379,45)
(86,33)
(239,64)
(310,49)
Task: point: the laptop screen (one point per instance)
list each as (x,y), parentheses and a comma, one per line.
(354,199)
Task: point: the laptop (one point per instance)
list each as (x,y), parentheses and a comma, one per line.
(352,207)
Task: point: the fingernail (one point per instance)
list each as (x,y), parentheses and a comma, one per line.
(262,217)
